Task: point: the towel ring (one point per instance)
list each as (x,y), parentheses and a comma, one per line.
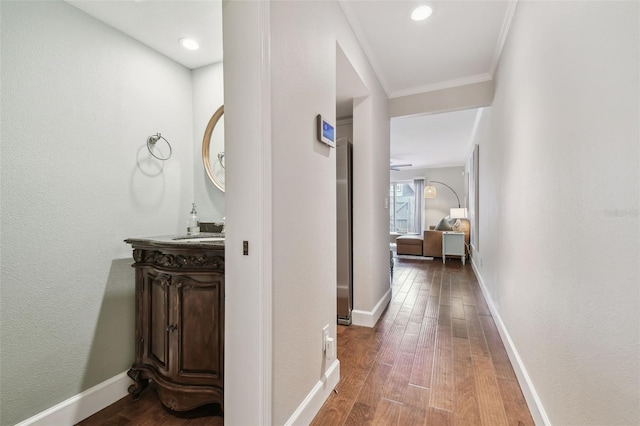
(151,140)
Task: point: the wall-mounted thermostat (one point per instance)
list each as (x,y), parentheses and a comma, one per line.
(326,132)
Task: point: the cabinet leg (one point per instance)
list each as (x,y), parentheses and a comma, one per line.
(139,383)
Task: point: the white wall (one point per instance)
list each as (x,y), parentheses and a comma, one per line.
(208,96)
(437,208)
(344,129)
(79,100)
(559,198)
(304,204)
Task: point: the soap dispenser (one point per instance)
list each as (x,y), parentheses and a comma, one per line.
(193,224)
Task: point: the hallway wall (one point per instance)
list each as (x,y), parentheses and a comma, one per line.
(559,198)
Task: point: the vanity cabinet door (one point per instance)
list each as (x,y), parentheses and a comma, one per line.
(199,314)
(156,320)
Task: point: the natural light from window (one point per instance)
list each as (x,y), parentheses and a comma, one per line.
(402,203)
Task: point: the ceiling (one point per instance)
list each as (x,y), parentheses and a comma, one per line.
(437,140)
(459,44)
(160,24)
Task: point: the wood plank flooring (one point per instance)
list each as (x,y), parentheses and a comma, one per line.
(434,358)
(148,411)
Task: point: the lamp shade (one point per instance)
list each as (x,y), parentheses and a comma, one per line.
(429,191)
(459,213)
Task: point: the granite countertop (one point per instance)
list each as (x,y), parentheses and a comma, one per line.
(201,240)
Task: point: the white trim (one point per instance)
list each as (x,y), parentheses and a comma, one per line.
(531,396)
(474,130)
(369,318)
(83,405)
(266,343)
(308,409)
(504,31)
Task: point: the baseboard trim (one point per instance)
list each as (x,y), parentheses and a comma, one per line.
(531,396)
(308,409)
(369,318)
(83,405)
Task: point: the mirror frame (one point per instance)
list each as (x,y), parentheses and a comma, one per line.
(206,142)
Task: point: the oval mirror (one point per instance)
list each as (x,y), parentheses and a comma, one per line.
(213,149)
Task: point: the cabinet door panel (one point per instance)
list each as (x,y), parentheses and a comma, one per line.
(200,329)
(158,296)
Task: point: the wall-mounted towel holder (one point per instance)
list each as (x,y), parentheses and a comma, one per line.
(151,142)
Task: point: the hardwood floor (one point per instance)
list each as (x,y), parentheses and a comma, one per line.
(434,358)
(148,411)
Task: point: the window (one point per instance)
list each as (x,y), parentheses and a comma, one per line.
(402,212)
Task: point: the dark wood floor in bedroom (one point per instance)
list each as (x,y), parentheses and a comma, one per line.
(434,358)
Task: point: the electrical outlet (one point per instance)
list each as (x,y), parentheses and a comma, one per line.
(325,337)
(328,343)
(331,348)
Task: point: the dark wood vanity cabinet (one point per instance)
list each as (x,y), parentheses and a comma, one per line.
(179,322)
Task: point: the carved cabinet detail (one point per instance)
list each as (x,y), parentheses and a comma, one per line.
(179,324)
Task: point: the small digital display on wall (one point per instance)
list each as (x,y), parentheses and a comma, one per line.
(326,132)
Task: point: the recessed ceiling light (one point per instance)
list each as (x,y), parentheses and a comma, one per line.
(190,44)
(421,13)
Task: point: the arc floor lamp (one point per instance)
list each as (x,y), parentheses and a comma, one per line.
(430,190)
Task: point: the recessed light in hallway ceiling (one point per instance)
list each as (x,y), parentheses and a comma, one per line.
(189,44)
(421,13)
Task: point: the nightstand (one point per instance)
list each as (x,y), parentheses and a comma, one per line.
(453,244)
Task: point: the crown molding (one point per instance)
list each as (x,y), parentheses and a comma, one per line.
(504,32)
(362,40)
